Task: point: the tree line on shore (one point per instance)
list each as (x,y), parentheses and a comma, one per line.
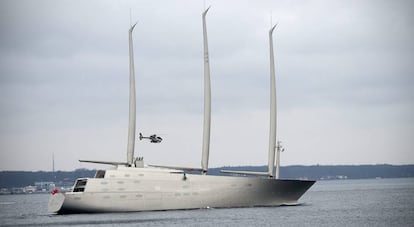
(9,179)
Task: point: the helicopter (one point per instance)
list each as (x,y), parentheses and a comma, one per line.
(153,138)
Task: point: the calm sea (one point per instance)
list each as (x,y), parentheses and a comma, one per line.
(375,202)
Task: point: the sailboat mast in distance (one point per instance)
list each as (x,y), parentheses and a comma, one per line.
(132,107)
(273,120)
(53,163)
(53,166)
(207,100)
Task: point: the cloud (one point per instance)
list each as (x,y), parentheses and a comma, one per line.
(344,80)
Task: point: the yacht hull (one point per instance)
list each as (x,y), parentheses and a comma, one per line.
(175,191)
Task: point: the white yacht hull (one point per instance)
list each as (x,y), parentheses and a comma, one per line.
(137,189)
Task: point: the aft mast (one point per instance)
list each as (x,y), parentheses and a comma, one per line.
(272,132)
(207,100)
(273,120)
(132,102)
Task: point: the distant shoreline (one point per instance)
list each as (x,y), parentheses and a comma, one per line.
(35,181)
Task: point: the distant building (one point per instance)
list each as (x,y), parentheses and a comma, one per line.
(17,191)
(44,186)
(4,191)
(30,189)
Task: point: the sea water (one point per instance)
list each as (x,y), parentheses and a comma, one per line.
(373,202)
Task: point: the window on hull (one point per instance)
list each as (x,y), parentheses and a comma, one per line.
(80,185)
(100,174)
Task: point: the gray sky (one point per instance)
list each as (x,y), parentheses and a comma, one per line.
(345,81)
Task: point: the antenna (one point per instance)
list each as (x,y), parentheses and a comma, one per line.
(271,17)
(279,149)
(130,17)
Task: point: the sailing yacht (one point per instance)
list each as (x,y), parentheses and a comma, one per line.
(135,186)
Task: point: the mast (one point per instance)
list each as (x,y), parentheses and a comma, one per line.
(132,102)
(207,100)
(53,163)
(53,166)
(273,122)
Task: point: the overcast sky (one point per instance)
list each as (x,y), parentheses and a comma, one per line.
(345,81)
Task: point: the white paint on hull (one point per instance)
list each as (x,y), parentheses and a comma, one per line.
(129,189)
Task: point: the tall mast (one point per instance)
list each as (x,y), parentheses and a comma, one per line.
(132,102)
(53,163)
(53,166)
(273,122)
(207,100)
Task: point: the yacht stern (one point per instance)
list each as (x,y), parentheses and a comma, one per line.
(55,202)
